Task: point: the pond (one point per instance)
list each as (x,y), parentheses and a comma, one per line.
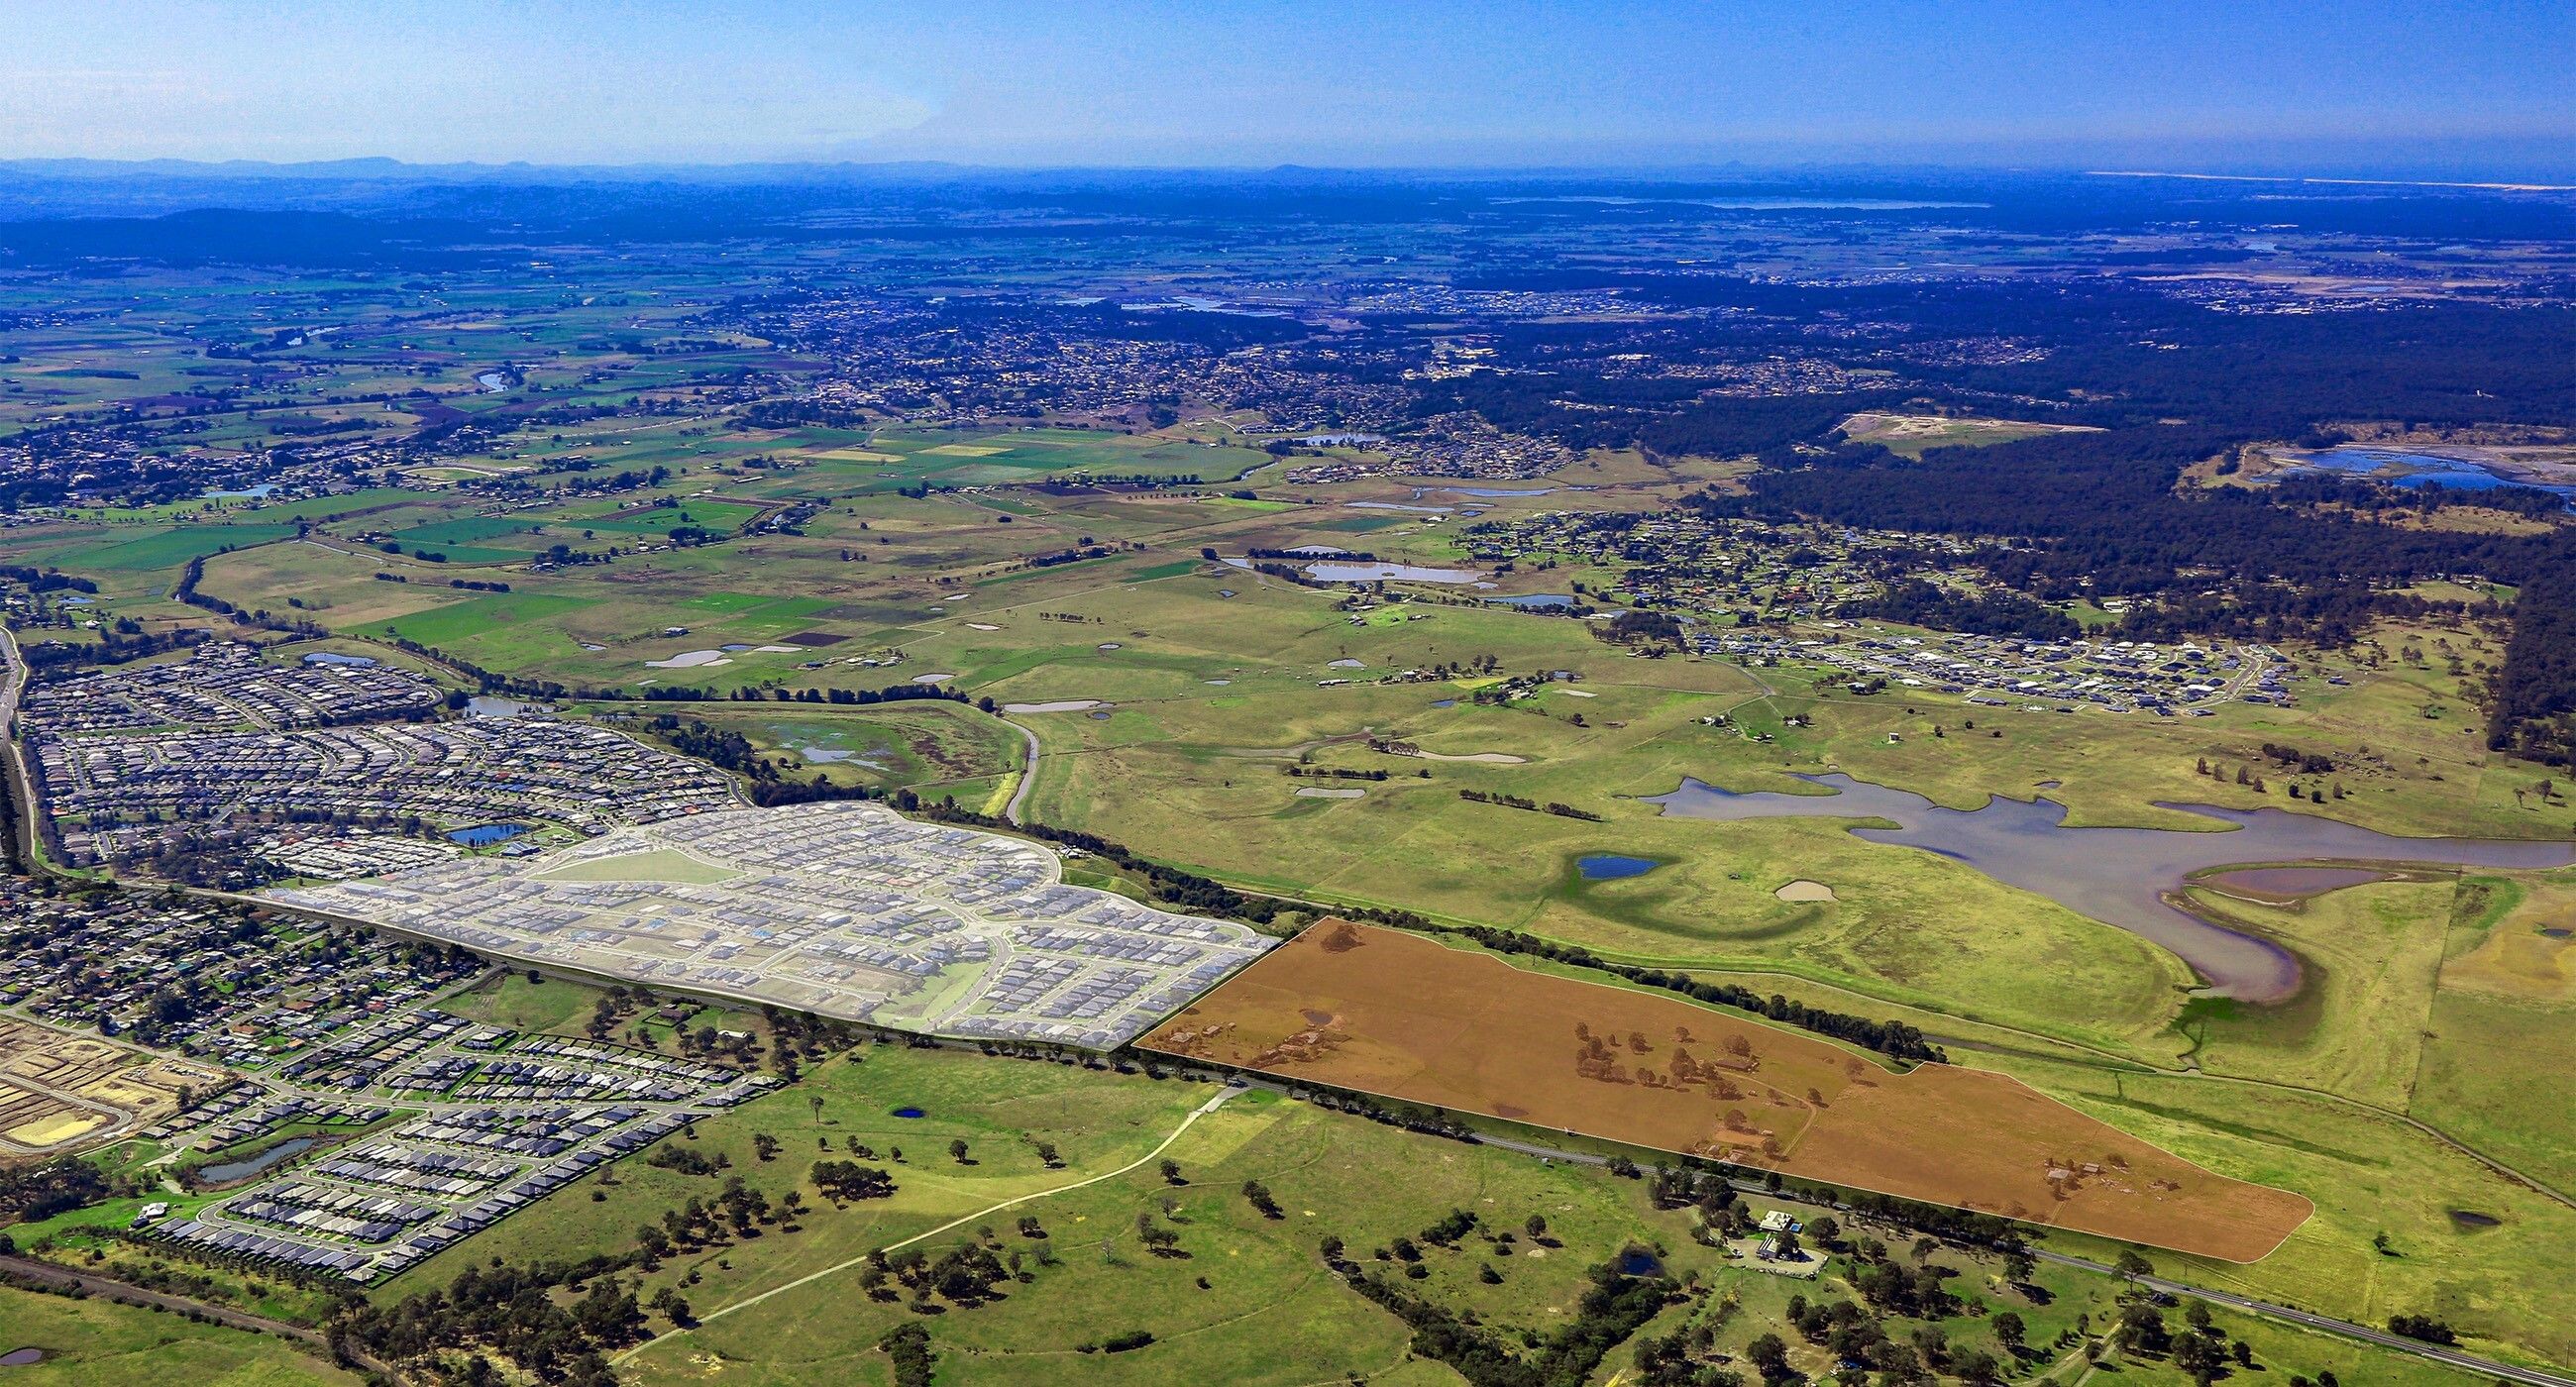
(1386,573)
(1612,866)
(249,1166)
(908,1112)
(327,657)
(1534,599)
(1496,491)
(21,1357)
(2119,876)
(1637,1261)
(2408,468)
(485,835)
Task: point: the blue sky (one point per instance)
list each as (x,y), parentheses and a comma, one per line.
(1239,82)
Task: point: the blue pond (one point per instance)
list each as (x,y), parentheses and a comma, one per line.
(1534,599)
(2399,467)
(485,835)
(1637,1261)
(907,1112)
(1611,866)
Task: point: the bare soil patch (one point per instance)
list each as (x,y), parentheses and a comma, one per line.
(1409,1018)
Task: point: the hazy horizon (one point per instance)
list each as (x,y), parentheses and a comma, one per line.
(2428,90)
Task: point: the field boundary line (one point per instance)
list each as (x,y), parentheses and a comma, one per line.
(2109,1060)
(1214,1102)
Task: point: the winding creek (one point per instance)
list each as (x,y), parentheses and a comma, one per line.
(2119,876)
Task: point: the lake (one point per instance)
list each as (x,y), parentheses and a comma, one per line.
(2407,468)
(2119,876)
(485,835)
(2294,881)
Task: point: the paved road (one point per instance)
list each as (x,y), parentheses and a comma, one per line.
(1028,775)
(108,1289)
(21,787)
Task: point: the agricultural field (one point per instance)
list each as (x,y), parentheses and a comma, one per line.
(1399,1016)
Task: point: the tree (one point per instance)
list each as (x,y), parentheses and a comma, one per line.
(957,1150)
(1171,1172)
(2142,1327)
(2424,1327)
(2131,1266)
(1259,1196)
(2008,1329)
(2200,1358)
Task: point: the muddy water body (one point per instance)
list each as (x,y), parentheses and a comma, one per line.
(2119,876)
(2294,881)
(252,1165)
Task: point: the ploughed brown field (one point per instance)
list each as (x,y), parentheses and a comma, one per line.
(1403,1016)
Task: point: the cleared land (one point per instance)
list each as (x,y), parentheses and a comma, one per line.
(846,910)
(1395,1014)
(1911,434)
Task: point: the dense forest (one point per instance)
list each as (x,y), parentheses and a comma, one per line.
(2162,384)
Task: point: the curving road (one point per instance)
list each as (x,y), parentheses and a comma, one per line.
(1028,773)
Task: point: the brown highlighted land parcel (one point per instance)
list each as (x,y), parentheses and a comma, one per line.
(1406,1017)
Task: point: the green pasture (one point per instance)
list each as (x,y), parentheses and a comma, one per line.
(100,1343)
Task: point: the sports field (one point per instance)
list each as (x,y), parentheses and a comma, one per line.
(1399,1015)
